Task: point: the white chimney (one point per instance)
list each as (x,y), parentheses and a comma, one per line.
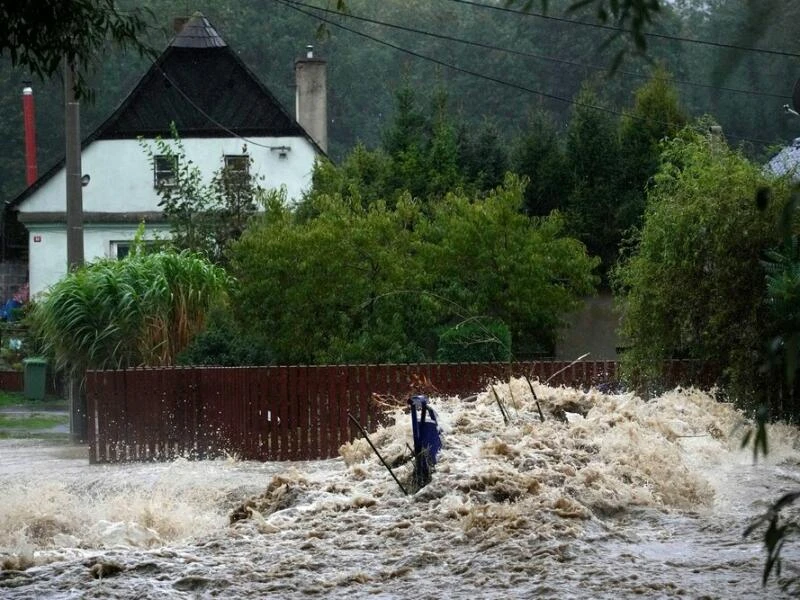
(311,98)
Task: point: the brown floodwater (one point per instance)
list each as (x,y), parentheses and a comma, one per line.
(609,497)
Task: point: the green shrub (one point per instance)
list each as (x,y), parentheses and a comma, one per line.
(478,340)
(224,344)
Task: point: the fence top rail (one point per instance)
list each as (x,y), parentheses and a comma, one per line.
(521,363)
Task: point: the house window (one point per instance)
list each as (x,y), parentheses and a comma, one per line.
(237,164)
(121,249)
(165,168)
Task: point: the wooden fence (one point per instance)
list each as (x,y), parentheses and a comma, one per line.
(283,413)
(11,381)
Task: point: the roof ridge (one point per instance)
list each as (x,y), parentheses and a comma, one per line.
(198,33)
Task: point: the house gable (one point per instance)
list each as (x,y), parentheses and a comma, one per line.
(218,107)
(202,86)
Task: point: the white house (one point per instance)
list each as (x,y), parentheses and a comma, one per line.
(218,107)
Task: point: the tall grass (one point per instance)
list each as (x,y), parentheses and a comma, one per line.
(142,310)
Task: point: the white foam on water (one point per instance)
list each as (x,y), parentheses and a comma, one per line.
(610,496)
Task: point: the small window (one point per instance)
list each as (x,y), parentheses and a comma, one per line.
(237,164)
(165,168)
(121,249)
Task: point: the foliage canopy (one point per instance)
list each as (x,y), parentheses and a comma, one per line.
(370,283)
(695,285)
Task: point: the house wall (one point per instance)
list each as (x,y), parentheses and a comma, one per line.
(592,329)
(122,182)
(48,247)
(122,175)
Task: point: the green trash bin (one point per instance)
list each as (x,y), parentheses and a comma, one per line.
(35,378)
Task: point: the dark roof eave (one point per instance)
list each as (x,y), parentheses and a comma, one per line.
(94,217)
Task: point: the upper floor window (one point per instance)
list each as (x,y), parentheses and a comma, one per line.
(165,169)
(237,164)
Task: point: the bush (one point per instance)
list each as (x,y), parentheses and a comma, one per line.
(223,344)
(479,340)
(695,285)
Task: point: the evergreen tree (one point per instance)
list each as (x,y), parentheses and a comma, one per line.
(656,115)
(593,158)
(538,155)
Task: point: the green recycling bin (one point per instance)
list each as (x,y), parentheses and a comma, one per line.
(35,378)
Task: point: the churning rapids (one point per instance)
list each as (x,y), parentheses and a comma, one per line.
(609,497)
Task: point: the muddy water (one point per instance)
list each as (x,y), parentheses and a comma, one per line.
(610,497)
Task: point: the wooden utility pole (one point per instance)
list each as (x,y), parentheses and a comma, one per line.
(72,120)
(72,127)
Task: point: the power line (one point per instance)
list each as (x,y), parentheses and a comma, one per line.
(624,30)
(525,54)
(206,115)
(522,88)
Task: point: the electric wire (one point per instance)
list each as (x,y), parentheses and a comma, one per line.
(207,116)
(290,4)
(651,34)
(441,36)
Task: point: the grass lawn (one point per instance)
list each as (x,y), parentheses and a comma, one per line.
(32,421)
(12,399)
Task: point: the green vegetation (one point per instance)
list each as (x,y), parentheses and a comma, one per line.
(11,399)
(694,285)
(224,343)
(477,340)
(142,310)
(32,421)
(372,283)
(205,218)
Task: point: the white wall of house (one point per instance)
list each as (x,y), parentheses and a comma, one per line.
(48,247)
(122,175)
(121,181)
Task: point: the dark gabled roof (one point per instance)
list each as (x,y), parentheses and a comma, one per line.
(202,86)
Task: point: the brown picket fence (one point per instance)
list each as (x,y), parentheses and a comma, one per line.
(285,412)
(11,381)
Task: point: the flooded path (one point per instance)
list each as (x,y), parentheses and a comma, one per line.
(610,497)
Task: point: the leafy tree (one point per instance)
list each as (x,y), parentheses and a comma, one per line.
(335,288)
(362,175)
(476,340)
(205,217)
(39,36)
(369,283)
(694,286)
(224,343)
(490,259)
(142,310)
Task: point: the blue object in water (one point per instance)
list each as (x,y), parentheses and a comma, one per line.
(427,441)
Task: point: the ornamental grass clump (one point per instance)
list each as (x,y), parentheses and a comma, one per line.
(139,311)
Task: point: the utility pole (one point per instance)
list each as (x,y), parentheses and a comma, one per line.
(72,120)
(72,128)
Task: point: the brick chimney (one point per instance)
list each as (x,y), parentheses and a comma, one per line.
(311,97)
(29,120)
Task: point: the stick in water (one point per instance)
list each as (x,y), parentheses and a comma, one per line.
(378,454)
(539,408)
(580,358)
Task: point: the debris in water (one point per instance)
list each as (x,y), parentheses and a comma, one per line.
(102,569)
